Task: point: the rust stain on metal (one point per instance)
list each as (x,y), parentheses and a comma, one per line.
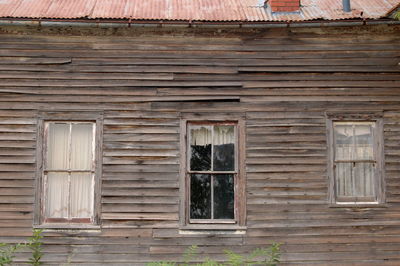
(189,10)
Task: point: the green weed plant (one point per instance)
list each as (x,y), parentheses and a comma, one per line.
(269,256)
(34,244)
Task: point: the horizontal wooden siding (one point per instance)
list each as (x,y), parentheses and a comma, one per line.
(282,80)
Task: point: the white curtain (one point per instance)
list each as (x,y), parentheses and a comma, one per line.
(200,135)
(82,146)
(57,195)
(355,180)
(354,142)
(81,195)
(58,146)
(224,135)
(364,175)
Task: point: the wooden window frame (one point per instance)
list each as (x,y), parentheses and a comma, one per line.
(378,147)
(239,186)
(68,117)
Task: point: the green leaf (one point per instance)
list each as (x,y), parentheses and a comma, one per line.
(397,15)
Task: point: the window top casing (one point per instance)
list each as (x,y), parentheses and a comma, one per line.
(354,116)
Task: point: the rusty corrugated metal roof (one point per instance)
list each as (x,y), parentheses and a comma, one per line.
(191,10)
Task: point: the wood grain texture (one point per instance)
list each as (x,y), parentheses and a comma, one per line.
(144,82)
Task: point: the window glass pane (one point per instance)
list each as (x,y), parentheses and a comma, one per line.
(344,142)
(81,195)
(200,148)
(363,142)
(224,148)
(82,146)
(224,197)
(57,195)
(344,179)
(363,178)
(200,196)
(57,146)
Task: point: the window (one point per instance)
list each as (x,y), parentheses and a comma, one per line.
(356,161)
(214,185)
(68,172)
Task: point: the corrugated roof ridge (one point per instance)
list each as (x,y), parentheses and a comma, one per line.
(16,7)
(48,8)
(90,15)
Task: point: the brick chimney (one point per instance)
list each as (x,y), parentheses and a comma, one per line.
(285,5)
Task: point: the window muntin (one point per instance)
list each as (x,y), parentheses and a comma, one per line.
(212,171)
(355,161)
(68,172)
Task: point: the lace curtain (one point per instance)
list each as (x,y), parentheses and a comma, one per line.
(202,135)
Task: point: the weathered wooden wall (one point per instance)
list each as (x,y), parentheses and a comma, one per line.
(283,80)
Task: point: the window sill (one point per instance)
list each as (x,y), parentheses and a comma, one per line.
(358,205)
(213,229)
(73,228)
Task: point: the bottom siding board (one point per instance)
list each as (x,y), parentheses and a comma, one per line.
(344,256)
(144,208)
(383,262)
(111,224)
(289,249)
(297,223)
(264,214)
(144,183)
(95,249)
(144,257)
(172,199)
(139,216)
(328,230)
(364,247)
(324,239)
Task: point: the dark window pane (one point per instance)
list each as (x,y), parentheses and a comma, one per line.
(200,148)
(223,197)
(224,148)
(200,196)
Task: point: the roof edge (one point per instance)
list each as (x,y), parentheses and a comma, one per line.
(109,23)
